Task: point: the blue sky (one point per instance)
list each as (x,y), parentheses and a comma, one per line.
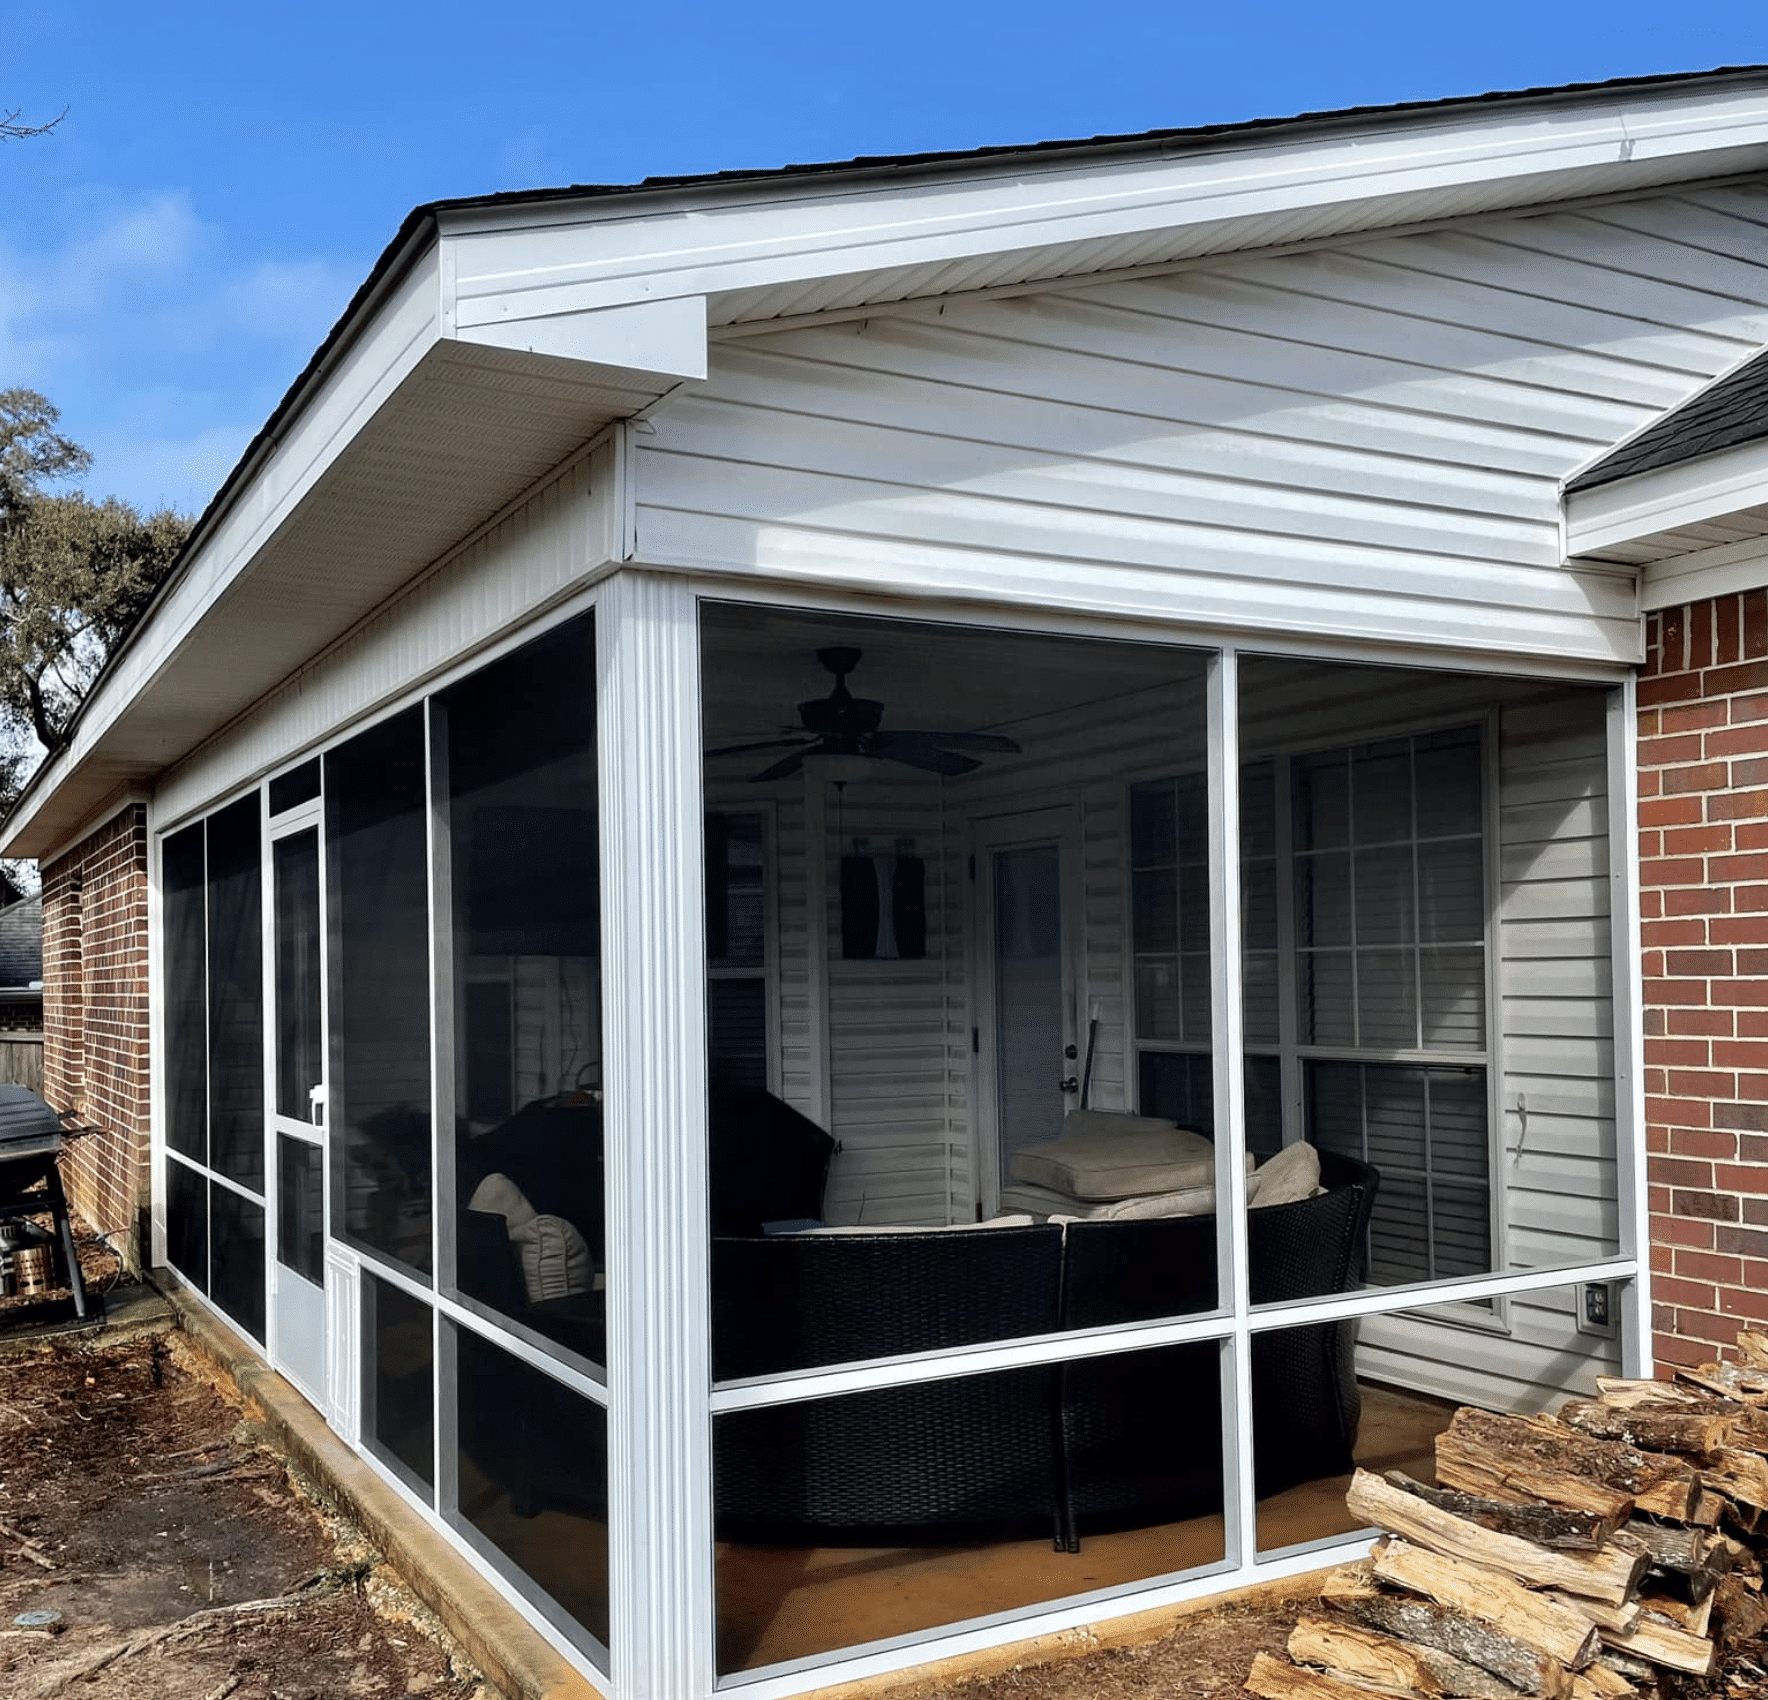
(226,174)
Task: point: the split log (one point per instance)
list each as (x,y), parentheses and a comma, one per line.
(1426,1623)
(1741,1476)
(1752,1349)
(1597,1682)
(1661,1642)
(1524,1458)
(1344,1649)
(1609,1575)
(1545,1525)
(1625,1664)
(1547,1625)
(1272,1679)
(1731,1381)
(1599,1612)
(1694,1616)
(1709,1507)
(1692,1553)
(1739,1612)
(1627,1391)
(1662,1427)
(1750,1421)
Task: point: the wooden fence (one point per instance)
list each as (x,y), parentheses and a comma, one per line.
(21,1060)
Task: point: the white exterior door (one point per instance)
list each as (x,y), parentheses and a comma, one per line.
(1028,978)
(295,1061)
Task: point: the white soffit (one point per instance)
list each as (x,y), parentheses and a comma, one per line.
(413,440)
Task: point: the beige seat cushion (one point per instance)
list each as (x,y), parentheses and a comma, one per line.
(1103,1157)
(1187,1201)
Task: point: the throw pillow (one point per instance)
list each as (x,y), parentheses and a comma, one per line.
(1293,1174)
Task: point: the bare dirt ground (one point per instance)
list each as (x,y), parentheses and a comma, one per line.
(136,1504)
(184,1565)
(1205,1657)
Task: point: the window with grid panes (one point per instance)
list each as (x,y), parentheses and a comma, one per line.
(1170,930)
(1390,917)
(1383,877)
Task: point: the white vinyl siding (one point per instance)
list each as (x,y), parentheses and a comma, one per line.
(1379,429)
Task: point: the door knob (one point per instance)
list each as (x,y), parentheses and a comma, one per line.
(1071,1084)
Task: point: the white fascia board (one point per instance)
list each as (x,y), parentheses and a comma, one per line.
(1727,570)
(1692,492)
(528,260)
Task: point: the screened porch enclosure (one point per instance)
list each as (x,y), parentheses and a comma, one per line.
(1128,1083)
(927,977)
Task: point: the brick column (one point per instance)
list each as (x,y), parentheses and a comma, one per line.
(1703,848)
(95,1021)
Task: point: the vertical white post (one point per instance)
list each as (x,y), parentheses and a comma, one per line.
(1629,1021)
(654,1033)
(1228,1048)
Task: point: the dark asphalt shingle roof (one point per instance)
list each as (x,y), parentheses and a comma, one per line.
(21,942)
(1732,409)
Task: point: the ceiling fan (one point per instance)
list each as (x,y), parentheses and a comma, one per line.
(842,724)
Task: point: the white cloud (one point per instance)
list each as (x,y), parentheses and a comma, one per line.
(154,340)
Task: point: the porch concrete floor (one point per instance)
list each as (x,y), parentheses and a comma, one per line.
(777,1603)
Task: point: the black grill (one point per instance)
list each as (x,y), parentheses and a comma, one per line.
(30,1142)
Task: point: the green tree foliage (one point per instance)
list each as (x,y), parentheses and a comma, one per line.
(75,575)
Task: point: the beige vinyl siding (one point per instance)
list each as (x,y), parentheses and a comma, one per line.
(1378,428)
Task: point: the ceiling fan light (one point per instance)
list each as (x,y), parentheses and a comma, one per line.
(839,769)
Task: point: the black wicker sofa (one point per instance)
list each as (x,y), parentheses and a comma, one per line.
(1119,1441)
(1129,1439)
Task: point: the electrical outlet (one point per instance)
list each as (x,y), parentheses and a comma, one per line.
(1596,1309)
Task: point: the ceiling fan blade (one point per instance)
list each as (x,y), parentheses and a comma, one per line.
(946,762)
(949,741)
(770,744)
(782,769)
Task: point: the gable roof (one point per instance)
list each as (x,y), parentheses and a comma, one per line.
(1731,410)
(497,334)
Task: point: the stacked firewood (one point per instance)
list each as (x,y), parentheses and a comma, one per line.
(1602,1552)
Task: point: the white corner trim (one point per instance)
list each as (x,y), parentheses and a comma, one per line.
(1689,493)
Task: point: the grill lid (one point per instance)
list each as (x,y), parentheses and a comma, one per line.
(26,1121)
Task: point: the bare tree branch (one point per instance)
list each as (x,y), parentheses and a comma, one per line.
(11,130)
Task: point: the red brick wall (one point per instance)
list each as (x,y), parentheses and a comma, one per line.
(1703,848)
(95,1017)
